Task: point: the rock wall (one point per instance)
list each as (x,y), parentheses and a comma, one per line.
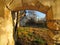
(6,26)
(56,9)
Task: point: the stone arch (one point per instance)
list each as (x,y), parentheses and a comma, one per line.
(35,5)
(39,7)
(48,39)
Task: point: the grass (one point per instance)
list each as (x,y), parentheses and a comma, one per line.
(29,35)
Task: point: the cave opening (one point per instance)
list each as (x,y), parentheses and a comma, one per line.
(33,18)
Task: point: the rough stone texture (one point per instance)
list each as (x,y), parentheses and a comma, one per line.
(6,29)
(29,4)
(6,26)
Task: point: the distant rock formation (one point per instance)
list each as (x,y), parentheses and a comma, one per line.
(32,17)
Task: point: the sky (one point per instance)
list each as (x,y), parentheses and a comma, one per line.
(39,14)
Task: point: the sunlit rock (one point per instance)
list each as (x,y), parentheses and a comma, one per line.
(6,26)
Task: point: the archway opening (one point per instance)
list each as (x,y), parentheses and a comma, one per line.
(23,29)
(33,18)
(39,8)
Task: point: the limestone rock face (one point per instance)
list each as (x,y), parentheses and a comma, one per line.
(6,32)
(56,9)
(30,4)
(6,26)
